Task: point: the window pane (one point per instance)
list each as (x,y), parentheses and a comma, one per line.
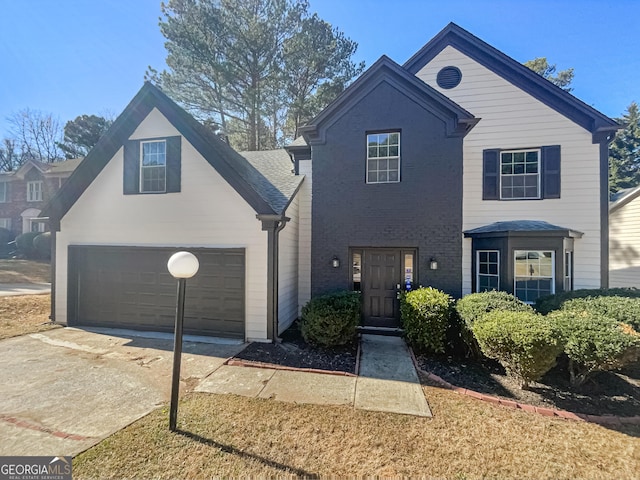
(373,165)
(383,151)
(393,176)
(518,157)
(373,177)
(356,262)
(393,151)
(394,139)
(373,152)
(383,176)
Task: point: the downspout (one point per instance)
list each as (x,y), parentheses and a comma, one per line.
(54,227)
(273,225)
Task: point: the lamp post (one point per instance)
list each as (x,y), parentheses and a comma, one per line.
(181,265)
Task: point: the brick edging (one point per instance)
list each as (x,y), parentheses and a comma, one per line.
(235,362)
(547,412)
(32,426)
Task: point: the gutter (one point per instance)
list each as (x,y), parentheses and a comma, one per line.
(273,225)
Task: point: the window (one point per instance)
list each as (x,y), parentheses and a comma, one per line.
(5,223)
(533,274)
(4,192)
(408,271)
(153,165)
(383,157)
(36,226)
(34,191)
(356,263)
(488,270)
(520,174)
(568,271)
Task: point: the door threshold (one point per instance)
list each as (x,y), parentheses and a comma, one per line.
(389,331)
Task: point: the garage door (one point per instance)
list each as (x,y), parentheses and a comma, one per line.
(130,287)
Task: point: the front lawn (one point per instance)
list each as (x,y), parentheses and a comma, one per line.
(24,271)
(232,436)
(24,314)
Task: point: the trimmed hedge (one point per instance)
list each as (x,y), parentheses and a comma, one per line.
(620,309)
(42,245)
(526,344)
(331,320)
(550,303)
(24,243)
(473,307)
(595,343)
(426,314)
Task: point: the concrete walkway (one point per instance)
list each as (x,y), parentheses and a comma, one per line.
(15,289)
(388,382)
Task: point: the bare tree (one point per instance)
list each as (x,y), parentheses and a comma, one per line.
(36,135)
(9,159)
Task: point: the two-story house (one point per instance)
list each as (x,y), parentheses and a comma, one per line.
(460,169)
(25,191)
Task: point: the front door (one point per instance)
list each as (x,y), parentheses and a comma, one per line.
(383,271)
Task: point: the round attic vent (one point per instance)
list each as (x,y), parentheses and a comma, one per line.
(449,77)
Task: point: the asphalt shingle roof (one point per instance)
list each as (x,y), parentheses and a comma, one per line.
(519,226)
(276,182)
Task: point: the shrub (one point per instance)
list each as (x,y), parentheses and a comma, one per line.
(42,245)
(595,343)
(426,313)
(24,243)
(620,309)
(550,303)
(525,343)
(6,236)
(472,307)
(331,320)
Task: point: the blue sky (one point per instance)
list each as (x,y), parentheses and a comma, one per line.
(73,57)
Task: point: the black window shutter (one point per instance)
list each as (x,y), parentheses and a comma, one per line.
(491,174)
(551,171)
(131,181)
(174,162)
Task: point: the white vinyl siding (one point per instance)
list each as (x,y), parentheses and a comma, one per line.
(207,213)
(513,119)
(288,269)
(624,245)
(304,239)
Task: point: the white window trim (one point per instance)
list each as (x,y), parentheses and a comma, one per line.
(486,275)
(142,190)
(553,271)
(39,197)
(382,158)
(5,223)
(4,197)
(521,150)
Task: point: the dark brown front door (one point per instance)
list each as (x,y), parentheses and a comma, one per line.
(381,276)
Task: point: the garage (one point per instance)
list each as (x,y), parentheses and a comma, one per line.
(130,287)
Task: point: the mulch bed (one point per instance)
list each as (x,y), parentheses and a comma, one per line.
(607,393)
(295,352)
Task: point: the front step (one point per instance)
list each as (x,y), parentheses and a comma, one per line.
(387,331)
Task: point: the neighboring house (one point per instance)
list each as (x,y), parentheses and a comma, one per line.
(25,191)
(461,169)
(624,238)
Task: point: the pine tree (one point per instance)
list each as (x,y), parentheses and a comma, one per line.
(624,152)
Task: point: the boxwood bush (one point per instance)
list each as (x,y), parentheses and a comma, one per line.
(595,343)
(42,245)
(331,320)
(621,309)
(426,313)
(526,344)
(472,307)
(24,243)
(550,303)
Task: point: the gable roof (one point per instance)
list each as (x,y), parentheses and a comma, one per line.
(458,121)
(521,227)
(621,198)
(526,79)
(250,183)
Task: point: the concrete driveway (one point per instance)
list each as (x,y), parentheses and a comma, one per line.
(64,390)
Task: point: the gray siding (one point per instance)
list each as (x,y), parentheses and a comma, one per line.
(423,211)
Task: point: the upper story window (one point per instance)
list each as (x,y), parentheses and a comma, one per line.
(153,167)
(383,157)
(4,192)
(520,174)
(34,191)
